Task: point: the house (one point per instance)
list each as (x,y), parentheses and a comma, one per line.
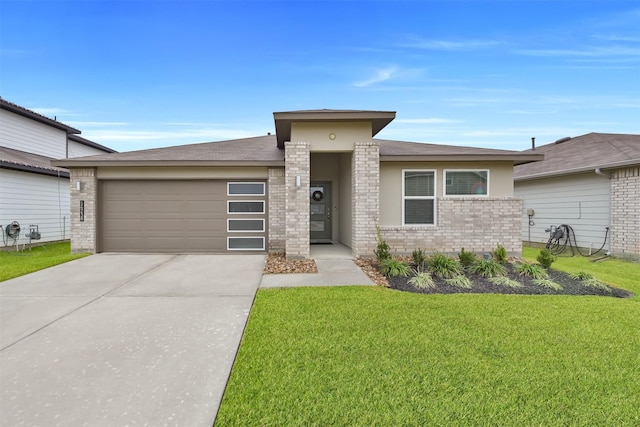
(591,183)
(321,178)
(32,191)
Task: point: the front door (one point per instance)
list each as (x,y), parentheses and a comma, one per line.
(320,206)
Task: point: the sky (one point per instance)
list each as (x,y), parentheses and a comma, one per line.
(138,74)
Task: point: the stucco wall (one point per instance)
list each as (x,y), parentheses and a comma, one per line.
(317,134)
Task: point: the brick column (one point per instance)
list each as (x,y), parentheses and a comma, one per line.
(297,163)
(277,210)
(365,193)
(83,232)
(625,216)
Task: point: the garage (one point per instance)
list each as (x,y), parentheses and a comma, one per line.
(181,216)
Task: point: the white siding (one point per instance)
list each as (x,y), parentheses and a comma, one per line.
(582,201)
(21,133)
(80,150)
(31,198)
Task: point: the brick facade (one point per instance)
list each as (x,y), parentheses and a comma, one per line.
(297,163)
(277,210)
(83,233)
(625,213)
(365,195)
(475,224)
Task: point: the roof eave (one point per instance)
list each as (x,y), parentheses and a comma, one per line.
(33,169)
(517,159)
(608,166)
(16,109)
(70,163)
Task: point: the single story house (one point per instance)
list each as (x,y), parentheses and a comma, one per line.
(591,183)
(321,178)
(32,191)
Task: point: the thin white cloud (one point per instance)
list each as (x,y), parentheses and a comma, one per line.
(590,52)
(450,45)
(51,111)
(188,136)
(379,76)
(432,120)
(81,124)
(618,38)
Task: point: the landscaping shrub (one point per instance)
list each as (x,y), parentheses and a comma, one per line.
(422,280)
(444,266)
(499,254)
(467,259)
(587,279)
(419,258)
(546,283)
(546,258)
(382,251)
(534,271)
(460,281)
(393,268)
(505,281)
(488,268)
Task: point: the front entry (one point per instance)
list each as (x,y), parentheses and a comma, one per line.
(320,212)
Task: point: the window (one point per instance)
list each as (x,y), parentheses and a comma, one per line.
(244,225)
(466,183)
(245,188)
(245,206)
(418,197)
(245,243)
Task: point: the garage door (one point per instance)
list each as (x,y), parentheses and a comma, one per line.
(182,216)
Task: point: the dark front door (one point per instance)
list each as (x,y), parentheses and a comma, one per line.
(320,206)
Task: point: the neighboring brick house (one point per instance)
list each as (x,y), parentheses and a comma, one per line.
(32,191)
(591,183)
(321,178)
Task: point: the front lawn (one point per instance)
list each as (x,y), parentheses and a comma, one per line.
(367,356)
(14,264)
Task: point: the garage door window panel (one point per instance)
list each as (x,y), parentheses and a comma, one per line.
(245,243)
(245,225)
(245,207)
(245,189)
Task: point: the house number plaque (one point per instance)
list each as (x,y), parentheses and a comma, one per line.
(81,210)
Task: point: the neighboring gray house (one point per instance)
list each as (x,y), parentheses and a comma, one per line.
(589,182)
(321,178)
(32,191)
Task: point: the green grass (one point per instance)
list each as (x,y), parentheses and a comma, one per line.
(616,272)
(370,356)
(16,264)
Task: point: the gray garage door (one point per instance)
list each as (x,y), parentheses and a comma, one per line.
(181,216)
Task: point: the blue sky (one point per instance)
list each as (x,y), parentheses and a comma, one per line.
(142,74)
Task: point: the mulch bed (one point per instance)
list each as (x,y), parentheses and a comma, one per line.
(482,285)
(277,263)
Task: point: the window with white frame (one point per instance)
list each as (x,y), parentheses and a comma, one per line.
(418,197)
(241,225)
(245,188)
(466,182)
(245,243)
(245,206)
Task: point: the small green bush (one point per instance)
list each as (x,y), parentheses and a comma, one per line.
(382,251)
(505,281)
(460,281)
(418,257)
(467,259)
(595,283)
(546,283)
(546,258)
(581,275)
(499,254)
(422,280)
(534,271)
(393,268)
(488,268)
(444,266)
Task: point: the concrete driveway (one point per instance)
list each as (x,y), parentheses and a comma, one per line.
(123,339)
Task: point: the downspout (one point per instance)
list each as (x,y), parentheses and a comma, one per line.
(599,172)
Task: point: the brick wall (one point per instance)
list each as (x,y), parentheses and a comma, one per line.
(83,233)
(297,163)
(625,213)
(365,184)
(476,225)
(277,212)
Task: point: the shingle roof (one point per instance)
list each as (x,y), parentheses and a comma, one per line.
(15,108)
(401,150)
(262,150)
(259,150)
(582,153)
(20,160)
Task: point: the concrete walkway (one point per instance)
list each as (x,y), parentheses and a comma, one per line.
(123,339)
